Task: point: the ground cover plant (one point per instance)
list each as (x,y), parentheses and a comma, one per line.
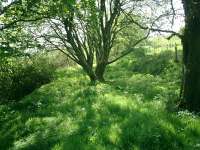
(136,109)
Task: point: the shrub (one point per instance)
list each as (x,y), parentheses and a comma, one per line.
(20,76)
(59,59)
(153,64)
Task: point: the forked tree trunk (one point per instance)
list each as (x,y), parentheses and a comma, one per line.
(98,74)
(191,50)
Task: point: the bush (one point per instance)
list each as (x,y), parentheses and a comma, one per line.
(153,64)
(59,59)
(20,76)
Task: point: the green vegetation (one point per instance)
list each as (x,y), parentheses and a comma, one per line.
(135,109)
(95,75)
(19,76)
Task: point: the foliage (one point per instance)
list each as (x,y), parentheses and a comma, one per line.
(17,42)
(20,76)
(83,30)
(126,39)
(129,112)
(57,59)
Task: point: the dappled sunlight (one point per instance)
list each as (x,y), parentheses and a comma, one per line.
(127,113)
(99,75)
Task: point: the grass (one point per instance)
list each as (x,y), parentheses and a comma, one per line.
(134,111)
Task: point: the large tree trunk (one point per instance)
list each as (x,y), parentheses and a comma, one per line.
(91,74)
(98,74)
(191,50)
(100,70)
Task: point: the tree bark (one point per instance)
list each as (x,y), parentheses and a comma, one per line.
(91,74)
(97,75)
(191,55)
(100,70)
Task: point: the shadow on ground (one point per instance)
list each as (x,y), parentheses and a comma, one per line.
(127,114)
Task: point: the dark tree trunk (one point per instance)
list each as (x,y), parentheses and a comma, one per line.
(100,70)
(191,58)
(98,74)
(176,54)
(90,73)
(93,78)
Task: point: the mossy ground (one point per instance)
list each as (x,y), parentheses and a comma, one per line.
(134,110)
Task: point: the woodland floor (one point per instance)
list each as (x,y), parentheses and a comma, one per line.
(135,110)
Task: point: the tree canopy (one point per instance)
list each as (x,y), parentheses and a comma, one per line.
(87,30)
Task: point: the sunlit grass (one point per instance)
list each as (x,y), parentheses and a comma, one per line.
(129,112)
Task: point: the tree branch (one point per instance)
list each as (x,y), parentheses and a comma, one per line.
(130,50)
(151,28)
(4,9)
(5,26)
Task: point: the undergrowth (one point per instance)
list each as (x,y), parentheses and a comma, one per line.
(135,110)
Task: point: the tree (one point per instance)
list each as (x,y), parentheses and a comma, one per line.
(86,31)
(191,52)
(4,8)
